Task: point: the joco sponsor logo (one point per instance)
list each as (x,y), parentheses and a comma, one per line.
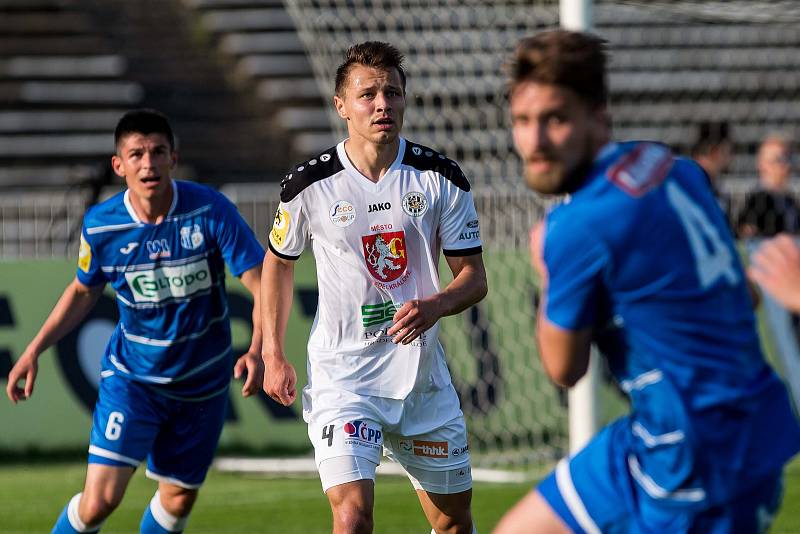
(168,282)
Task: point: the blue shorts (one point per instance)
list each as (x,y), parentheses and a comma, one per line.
(606,488)
(178,437)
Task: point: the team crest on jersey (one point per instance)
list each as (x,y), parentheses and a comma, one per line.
(280,227)
(191,236)
(415,204)
(342,213)
(84,255)
(385,254)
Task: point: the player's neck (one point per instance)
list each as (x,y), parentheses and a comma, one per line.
(371,159)
(152,210)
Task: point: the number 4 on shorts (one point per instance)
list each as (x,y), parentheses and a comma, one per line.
(327,433)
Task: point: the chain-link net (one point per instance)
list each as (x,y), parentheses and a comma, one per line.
(678,71)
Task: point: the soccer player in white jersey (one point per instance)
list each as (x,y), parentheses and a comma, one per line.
(162,244)
(377,210)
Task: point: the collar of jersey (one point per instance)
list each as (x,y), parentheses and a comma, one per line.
(363,181)
(132,212)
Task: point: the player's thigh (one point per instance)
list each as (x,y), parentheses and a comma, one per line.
(125,423)
(592,491)
(531,514)
(347,433)
(105,486)
(357,496)
(447,510)
(437,461)
(184,448)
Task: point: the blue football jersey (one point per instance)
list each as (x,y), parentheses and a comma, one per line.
(642,254)
(169,279)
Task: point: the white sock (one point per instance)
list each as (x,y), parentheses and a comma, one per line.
(164,518)
(75,519)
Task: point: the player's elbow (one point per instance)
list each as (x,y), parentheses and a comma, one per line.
(568,377)
(481,289)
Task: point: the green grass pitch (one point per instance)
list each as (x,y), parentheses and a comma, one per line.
(32,495)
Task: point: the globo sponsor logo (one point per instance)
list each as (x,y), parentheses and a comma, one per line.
(169,282)
(363,432)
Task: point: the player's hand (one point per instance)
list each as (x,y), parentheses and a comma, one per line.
(775,267)
(252,366)
(25,369)
(412,319)
(280,380)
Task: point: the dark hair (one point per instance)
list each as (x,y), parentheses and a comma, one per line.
(710,134)
(574,60)
(144,121)
(375,54)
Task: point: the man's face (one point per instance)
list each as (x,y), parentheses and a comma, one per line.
(145,161)
(373,103)
(556,134)
(774,165)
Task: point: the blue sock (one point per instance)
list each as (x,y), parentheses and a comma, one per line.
(64,525)
(150,525)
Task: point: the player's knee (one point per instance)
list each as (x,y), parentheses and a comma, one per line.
(94,509)
(453,523)
(353,518)
(179,503)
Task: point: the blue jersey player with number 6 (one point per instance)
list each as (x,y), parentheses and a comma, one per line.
(162,244)
(638,259)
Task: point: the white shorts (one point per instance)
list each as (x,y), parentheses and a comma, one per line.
(425,433)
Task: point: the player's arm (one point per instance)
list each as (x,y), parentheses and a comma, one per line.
(468,287)
(277,291)
(564,352)
(251,361)
(75,303)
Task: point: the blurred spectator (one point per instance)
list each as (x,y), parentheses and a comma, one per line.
(771,209)
(713,150)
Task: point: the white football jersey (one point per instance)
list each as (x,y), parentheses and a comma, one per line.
(376,246)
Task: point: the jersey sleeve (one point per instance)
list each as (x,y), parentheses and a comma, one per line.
(89,272)
(459,229)
(236,241)
(289,234)
(575,264)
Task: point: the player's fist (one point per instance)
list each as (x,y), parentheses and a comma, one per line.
(280,380)
(252,367)
(25,369)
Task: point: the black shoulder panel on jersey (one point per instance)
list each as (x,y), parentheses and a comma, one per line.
(301,176)
(426,159)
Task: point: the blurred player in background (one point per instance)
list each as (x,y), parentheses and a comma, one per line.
(162,244)
(377,210)
(772,208)
(637,258)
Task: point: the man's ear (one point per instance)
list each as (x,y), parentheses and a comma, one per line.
(116,165)
(338,103)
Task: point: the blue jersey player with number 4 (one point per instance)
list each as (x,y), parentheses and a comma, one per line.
(638,259)
(162,244)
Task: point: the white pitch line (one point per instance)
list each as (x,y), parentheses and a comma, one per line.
(307,465)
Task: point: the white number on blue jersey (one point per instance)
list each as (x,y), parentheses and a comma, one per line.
(712,258)
(114,426)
